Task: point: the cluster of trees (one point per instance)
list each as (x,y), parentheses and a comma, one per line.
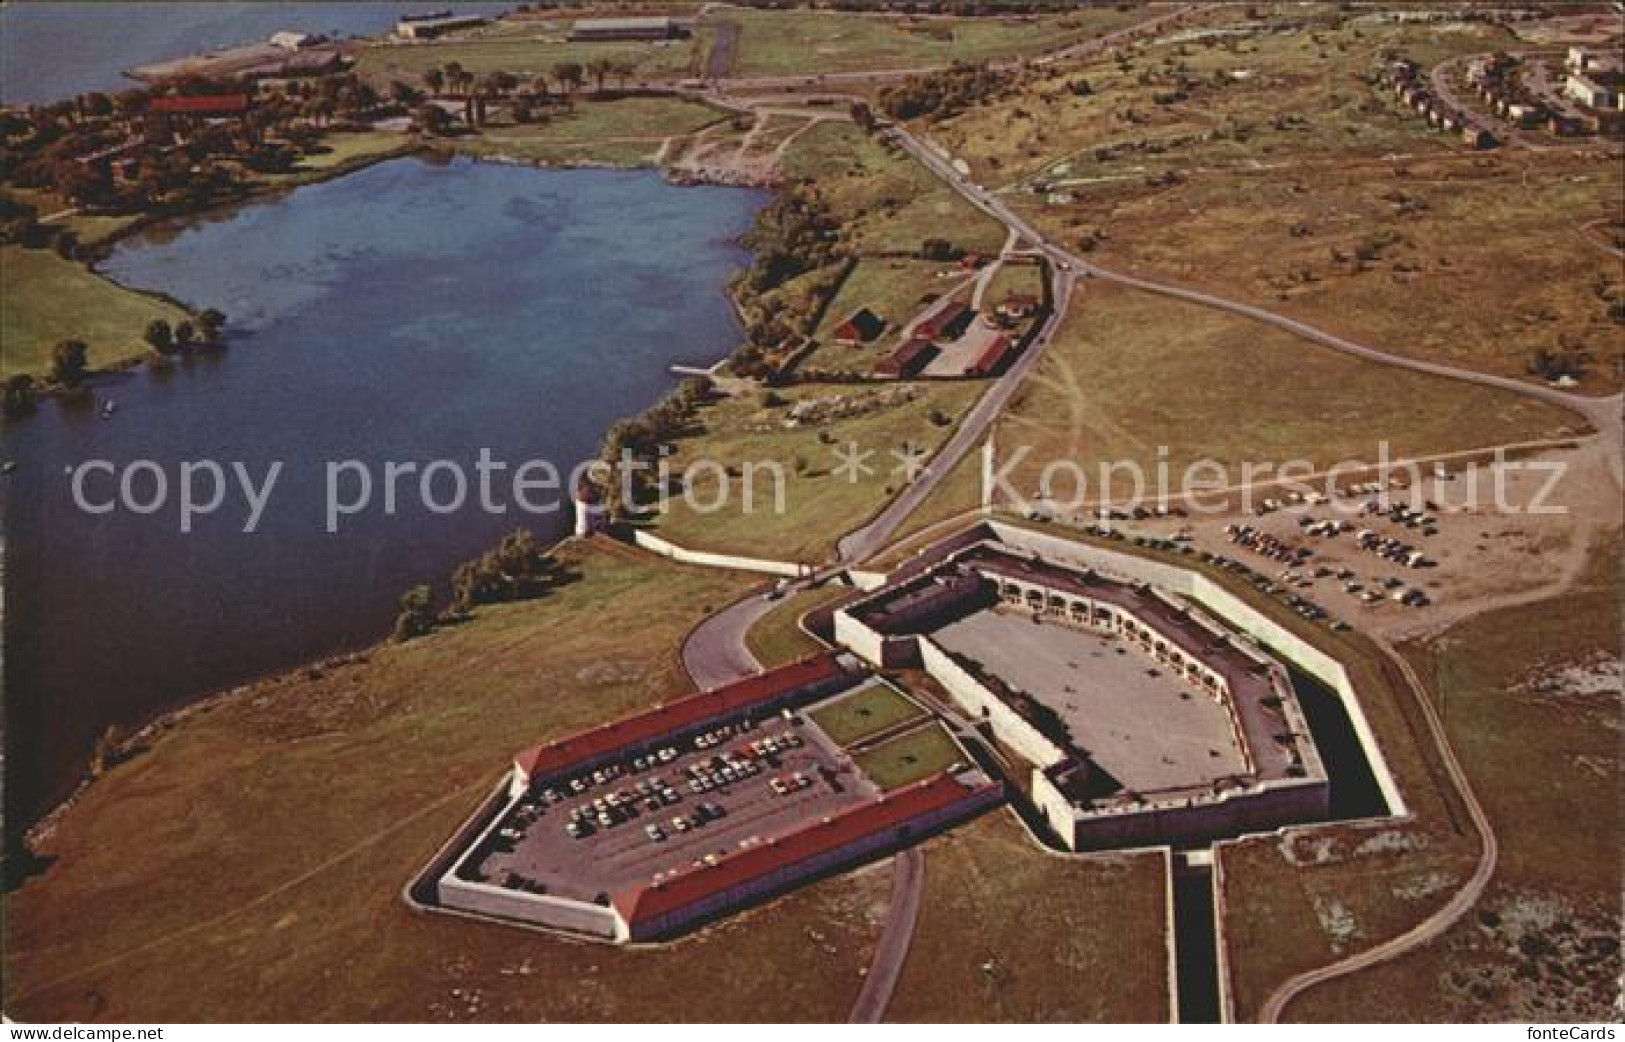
(112,152)
(946,92)
(645,436)
(517,568)
(525,97)
(793,234)
(185,335)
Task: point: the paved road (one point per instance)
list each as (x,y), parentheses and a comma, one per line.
(1434,925)
(715,651)
(891,951)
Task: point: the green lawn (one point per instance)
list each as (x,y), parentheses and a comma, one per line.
(911,757)
(819,503)
(868,711)
(44,299)
(343,149)
(777,637)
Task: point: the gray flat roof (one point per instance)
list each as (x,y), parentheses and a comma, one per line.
(1127,712)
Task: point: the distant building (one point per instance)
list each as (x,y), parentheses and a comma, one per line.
(1474,136)
(434,23)
(1590,93)
(289,40)
(594,29)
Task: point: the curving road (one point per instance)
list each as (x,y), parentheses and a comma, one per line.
(1434,925)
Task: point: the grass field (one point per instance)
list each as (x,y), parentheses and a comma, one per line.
(892,288)
(347,149)
(1134,377)
(624,132)
(1531,701)
(893,203)
(262,841)
(777,637)
(47,299)
(526,51)
(1010,933)
(801,41)
(911,757)
(819,504)
(865,713)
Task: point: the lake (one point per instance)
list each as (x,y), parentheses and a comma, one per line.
(51,51)
(414,311)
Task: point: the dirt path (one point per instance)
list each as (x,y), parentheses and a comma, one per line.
(1434,925)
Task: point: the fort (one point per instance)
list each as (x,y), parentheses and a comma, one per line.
(1087,684)
(1142,719)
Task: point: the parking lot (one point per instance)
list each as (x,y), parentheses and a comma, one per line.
(706,796)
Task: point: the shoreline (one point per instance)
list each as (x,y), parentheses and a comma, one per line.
(165,719)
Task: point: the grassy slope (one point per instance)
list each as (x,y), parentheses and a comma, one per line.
(777,637)
(1545,764)
(259,846)
(820,505)
(46,299)
(1008,932)
(891,288)
(1131,372)
(900,203)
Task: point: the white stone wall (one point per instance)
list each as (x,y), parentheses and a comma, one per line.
(666,548)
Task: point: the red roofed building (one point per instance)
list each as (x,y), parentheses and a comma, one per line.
(908,360)
(993,356)
(630,735)
(896,819)
(203,105)
(863,326)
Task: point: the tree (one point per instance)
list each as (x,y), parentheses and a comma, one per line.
(209,324)
(432,119)
(68,362)
(569,75)
(417,613)
(538,84)
(185,335)
(456,77)
(434,79)
(159,337)
(19,393)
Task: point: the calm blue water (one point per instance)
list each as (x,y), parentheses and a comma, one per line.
(51,51)
(410,312)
